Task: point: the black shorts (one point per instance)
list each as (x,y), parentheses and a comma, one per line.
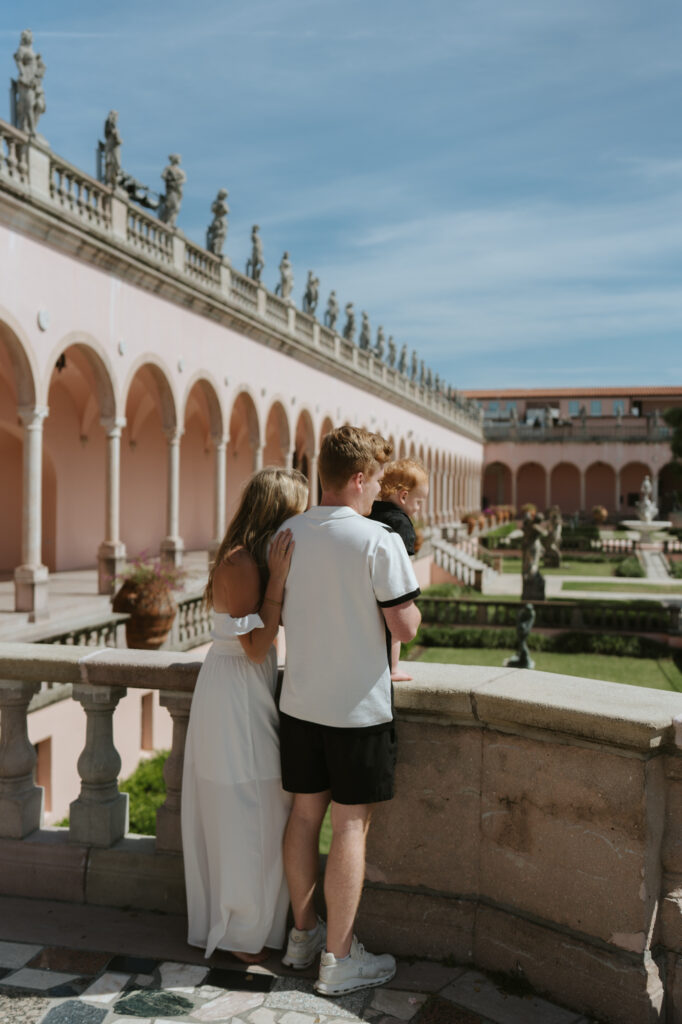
(356,764)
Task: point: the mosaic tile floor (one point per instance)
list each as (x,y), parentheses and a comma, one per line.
(55,985)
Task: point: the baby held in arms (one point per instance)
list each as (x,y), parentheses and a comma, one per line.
(404,492)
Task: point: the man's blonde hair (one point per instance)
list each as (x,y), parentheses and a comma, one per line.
(405,474)
(350,450)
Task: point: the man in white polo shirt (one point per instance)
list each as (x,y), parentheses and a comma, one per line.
(351,584)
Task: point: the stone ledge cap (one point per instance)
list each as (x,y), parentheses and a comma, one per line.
(147,670)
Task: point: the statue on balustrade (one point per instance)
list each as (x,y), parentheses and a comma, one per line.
(436,384)
(349,326)
(392,351)
(402,360)
(255,263)
(533,588)
(332,312)
(422,373)
(110,151)
(380,344)
(27,89)
(175,178)
(216,233)
(311,294)
(365,339)
(285,285)
(429,379)
(524,624)
(551,540)
(414,368)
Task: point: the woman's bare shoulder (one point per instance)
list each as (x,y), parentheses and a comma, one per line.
(236,584)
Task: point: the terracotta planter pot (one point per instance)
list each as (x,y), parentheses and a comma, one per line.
(151,610)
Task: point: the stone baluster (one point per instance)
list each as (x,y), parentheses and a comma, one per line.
(172,545)
(313,497)
(219,492)
(111,553)
(168,832)
(30,578)
(99,816)
(21,801)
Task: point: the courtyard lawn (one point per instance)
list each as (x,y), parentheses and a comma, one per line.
(567,568)
(659,674)
(624,587)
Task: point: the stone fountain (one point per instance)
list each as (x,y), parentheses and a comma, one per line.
(646,525)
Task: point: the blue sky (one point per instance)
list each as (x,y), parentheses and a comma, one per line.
(497,182)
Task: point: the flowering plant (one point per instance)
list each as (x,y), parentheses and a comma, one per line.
(151,573)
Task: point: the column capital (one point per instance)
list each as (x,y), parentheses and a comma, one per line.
(173,434)
(220,440)
(113,425)
(32,416)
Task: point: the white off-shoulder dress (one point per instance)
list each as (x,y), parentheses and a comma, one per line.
(234,809)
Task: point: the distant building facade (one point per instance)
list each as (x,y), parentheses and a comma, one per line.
(577,448)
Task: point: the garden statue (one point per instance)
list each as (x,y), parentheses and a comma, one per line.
(402,360)
(524,624)
(285,285)
(111,150)
(365,339)
(255,263)
(391,351)
(175,178)
(27,88)
(531,550)
(217,229)
(646,509)
(380,344)
(551,540)
(332,312)
(349,326)
(311,294)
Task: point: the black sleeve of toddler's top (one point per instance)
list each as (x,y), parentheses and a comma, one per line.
(401,523)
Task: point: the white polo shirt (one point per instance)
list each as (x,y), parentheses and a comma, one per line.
(345,568)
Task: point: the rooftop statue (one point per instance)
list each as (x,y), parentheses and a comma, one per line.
(436,383)
(285,285)
(175,178)
(349,326)
(311,294)
(422,373)
(402,360)
(392,351)
(27,88)
(380,344)
(429,379)
(255,262)
(365,339)
(111,150)
(332,312)
(414,367)
(216,232)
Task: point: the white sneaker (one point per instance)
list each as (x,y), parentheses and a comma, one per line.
(358,970)
(303,946)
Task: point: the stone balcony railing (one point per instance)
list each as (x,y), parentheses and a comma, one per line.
(43,183)
(594,428)
(536,828)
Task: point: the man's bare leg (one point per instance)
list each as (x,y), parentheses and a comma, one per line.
(301,857)
(345,873)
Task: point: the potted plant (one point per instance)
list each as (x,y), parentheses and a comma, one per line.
(599,514)
(146,595)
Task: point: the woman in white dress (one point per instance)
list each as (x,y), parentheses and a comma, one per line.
(234,809)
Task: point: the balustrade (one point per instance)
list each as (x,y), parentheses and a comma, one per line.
(244,292)
(276,310)
(202,265)
(304,325)
(80,194)
(149,236)
(13,161)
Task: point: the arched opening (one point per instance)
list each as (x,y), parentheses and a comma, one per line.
(17,389)
(565,488)
(277,437)
(497,489)
(150,414)
(631,480)
(80,396)
(670,488)
(203,424)
(242,450)
(600,485)
(530,485)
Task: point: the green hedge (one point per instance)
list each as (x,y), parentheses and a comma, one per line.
(495,538)
(630,566)
(562,643)
(146,792)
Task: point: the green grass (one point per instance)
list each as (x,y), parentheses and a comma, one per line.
(624,587)
(659,674)
(326,833)
(146,792)
(567,568)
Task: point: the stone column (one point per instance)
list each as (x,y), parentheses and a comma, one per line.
(111,553)
(30,578)
(289,459)
(219,492)
(582,490)
(313,498)
(617,495)
(99,816)
(168,832)
(257,457)
(172,546)
(21,801)
(512,472)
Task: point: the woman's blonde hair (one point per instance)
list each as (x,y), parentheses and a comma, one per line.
(269,497)
(404,474)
